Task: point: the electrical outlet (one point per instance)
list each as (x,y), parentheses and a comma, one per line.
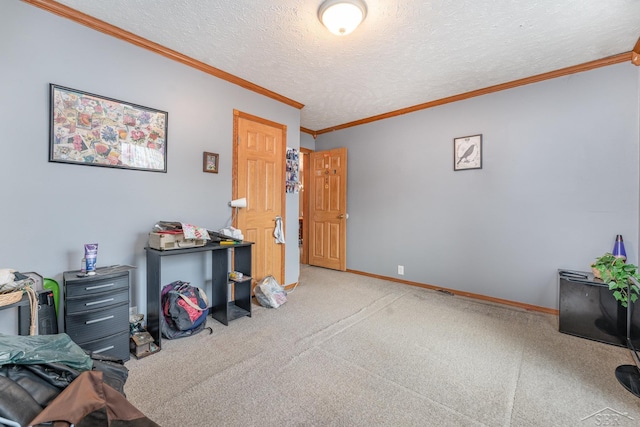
(401,270)
(133,310)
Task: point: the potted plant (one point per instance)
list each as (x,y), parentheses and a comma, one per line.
(616,273)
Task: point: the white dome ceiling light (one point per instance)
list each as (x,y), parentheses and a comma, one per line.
(341,17)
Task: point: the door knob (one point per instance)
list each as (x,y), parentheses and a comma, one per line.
(342,216)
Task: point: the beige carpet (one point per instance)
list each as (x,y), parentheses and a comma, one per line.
(348,350)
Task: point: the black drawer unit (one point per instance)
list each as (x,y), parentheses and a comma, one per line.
(97,284)
(96,310)
(115,345)
(90,325)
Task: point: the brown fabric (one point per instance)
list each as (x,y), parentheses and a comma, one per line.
(89,402)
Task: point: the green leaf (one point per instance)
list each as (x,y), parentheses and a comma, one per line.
(617,274)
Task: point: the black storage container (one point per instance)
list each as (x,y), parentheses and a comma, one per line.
(589,310)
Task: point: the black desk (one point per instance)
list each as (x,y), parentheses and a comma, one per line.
(221,309)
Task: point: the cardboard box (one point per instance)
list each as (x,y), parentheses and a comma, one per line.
(168,240)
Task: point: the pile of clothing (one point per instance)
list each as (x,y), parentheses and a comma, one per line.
(50,379)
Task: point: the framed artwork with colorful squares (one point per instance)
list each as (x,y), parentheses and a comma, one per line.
(93,130)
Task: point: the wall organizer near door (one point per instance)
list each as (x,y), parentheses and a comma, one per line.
(293,171)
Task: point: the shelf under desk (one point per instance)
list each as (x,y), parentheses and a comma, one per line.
(221,309)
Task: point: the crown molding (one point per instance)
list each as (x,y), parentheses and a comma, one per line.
(313,133)
(635,54)
(106,28)
(117,32)
(615,59)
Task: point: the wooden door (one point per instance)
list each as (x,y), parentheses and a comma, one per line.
(328,209)
(259,162)
(303,220)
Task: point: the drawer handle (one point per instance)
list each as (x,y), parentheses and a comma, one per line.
(90,288)
(102,319)
(103,349)
(99,302)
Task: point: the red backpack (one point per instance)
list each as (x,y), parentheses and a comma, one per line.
(184,309)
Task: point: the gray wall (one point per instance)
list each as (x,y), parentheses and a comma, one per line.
(560,174)
(50,210)
(559,181)
(307,141)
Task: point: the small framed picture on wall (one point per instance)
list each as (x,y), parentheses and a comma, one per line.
(467,153)
(210,162)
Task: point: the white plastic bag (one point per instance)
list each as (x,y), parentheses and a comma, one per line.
(269,293)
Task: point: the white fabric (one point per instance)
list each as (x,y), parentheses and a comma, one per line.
(6,275)
(278,233)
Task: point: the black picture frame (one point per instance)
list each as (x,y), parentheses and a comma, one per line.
(467,152)
(93,130)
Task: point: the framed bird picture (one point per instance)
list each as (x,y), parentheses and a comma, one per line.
(467,153)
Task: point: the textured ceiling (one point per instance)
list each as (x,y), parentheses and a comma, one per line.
(406,52)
